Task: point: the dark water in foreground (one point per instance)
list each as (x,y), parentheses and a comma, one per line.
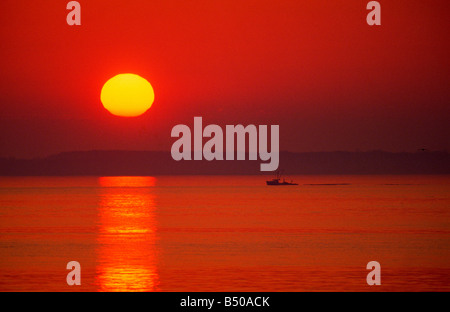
(225,233)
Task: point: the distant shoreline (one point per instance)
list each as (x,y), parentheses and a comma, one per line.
(141,163)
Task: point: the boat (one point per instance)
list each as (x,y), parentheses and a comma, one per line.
(277,181)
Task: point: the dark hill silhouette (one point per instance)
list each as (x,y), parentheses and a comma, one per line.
(161,163)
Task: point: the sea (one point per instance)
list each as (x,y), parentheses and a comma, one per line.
(225,233)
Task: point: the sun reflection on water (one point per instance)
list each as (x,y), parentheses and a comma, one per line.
(127,235)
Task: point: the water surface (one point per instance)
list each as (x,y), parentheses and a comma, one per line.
(227,233)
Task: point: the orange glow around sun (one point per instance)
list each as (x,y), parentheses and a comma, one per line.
(127,95)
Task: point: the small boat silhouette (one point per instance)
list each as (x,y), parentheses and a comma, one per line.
(277,181)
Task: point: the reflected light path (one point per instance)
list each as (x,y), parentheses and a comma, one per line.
(127,235)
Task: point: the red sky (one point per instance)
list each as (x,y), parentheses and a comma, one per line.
(314,67)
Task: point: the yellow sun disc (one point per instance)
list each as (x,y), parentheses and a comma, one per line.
(127,95)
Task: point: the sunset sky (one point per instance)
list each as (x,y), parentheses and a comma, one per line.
(313,67)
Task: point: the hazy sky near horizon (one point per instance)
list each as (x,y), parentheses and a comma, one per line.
(313,67)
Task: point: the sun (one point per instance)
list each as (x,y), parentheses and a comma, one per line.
(127,95)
